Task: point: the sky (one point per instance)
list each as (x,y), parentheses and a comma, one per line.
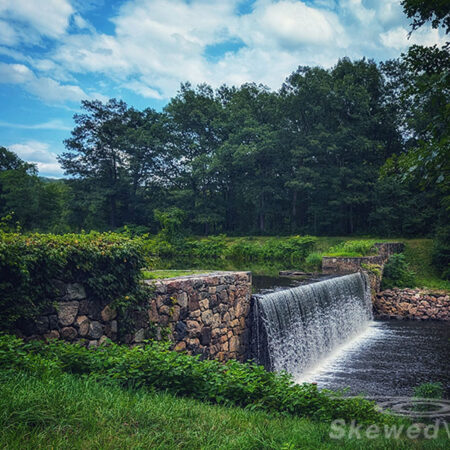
(54,53)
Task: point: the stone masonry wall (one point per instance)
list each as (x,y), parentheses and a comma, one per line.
(201,314)
(206,315)
(412,304)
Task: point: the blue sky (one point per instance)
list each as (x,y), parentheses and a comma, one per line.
(54,53)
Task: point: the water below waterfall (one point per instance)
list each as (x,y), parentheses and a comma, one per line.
(297,328)
(324,333)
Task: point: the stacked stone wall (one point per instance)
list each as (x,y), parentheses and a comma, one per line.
(202,314)
(412,304)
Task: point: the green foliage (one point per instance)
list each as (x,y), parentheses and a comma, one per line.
(375,269)
(293,249)
(154,366)
(108,265)
(429,390)
(314,261)
(210,247)
(396,273)
(441,252)
(353,248)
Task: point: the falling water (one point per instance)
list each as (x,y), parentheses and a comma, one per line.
(296,328)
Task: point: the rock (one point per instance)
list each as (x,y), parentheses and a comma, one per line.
(92,343)
(82,323)
(67,312)
(114,327)
(54,334)
(139,336)
(53,321)
(182,300)
(103,340)
(204,304)
(75,291)
(205,336)
(181,330)
(207,317)
(95,330)
(234,344)
(42,324)
(193,328)
(68,333)
(108,313)
(175,313)
(164,309)
(180,346)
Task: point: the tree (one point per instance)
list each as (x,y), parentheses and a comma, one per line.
(423,11)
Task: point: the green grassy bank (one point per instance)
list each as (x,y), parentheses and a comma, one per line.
(69,412)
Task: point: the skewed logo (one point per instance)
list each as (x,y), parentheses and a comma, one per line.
(429,416)
(414,407)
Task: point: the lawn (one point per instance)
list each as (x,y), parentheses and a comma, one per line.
(64,411)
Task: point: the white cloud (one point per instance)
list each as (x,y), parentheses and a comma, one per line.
(45,88)
(54,124)
(47,17)
(39,153)
(15,73)
(397,38)
(156,44)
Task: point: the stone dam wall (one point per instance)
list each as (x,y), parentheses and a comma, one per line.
(201,314)
(412,304)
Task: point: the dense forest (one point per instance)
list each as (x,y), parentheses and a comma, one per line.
(361,148)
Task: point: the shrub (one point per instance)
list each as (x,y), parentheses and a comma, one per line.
(108,265)
(353,248)
(441,252)
(244,250)
(154,366)
(396,273)
(314,261)
(293,249)
(210,247)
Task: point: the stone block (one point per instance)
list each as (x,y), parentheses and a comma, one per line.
(108,313)
(68,333)
(95,330)
(67,311)
(74,291)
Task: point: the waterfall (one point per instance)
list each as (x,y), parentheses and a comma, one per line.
(294,329)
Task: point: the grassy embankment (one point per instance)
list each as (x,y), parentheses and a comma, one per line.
(417,251)
(66,411)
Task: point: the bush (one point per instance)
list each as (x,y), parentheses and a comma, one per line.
(244,250)
(396,273)
(293,249)
(314,261)
(154,366)
(108,265)
(353,249)
(210,247)
(441,252)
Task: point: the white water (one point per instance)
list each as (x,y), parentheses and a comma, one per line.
(371,333)
(305,326)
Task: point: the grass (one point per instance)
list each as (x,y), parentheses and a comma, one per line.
(69,412)
(170,273)
(417,252)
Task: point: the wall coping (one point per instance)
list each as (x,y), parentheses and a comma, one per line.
(202,276)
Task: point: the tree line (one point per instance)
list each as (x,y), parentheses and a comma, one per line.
(359,148)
